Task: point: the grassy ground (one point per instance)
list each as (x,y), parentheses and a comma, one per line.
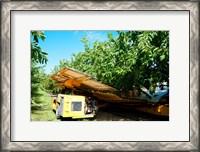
(41,109)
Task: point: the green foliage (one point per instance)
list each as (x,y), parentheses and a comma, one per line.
(134,58)
(49,86)
(62,64)
(37,78)
(37,54)
(37,72)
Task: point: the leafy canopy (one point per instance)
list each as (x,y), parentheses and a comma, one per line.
(37,54)
(133,59)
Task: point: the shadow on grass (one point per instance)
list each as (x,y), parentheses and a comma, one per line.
(34,108)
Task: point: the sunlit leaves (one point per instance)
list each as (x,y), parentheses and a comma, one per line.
(38,35)
(37,54)
(162,57)
(134,58)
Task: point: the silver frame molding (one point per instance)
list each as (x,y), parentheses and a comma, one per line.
(8,6)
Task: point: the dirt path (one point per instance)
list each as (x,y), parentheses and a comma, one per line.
(109,114)
(126,115)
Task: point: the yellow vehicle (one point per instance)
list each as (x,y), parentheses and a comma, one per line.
(73,106)
(86,85)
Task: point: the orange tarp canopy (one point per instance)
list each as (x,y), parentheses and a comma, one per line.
(84,83)
(74,79)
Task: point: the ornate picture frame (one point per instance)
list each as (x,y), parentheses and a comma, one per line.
(7,7)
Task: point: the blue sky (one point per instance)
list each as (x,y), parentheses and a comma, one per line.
(61,44)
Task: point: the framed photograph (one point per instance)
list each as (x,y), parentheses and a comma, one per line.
(100,51)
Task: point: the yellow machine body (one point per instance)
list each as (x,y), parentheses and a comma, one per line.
(70,106)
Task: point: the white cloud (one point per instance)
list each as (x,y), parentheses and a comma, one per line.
(96,35)
(92,35)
